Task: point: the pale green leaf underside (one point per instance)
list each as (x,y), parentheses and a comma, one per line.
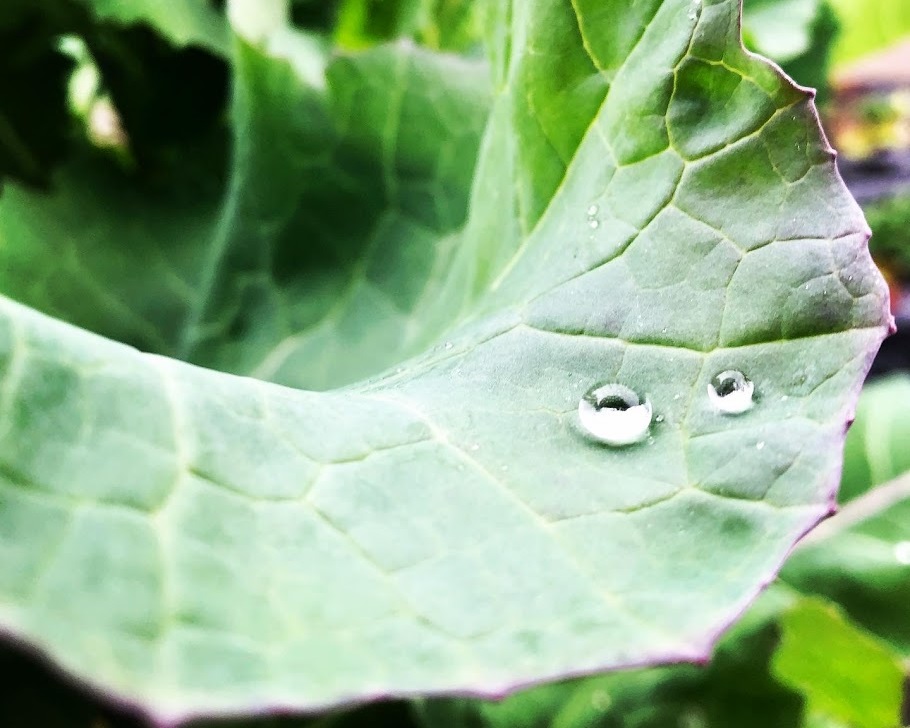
(199,542)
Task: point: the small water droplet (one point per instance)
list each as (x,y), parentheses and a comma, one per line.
(784,398)
(760,445)
(594,224)
(449,345)
(659,418)
(504,468)
(475,447)
(593,210)
(730,392)
(400,370)
(614,414)
(676,397)
(902,553)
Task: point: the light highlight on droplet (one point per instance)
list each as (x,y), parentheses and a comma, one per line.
(614,415)
(731,393)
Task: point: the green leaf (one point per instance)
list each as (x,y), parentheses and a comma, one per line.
(876,452)
(860,559)
(650,205)
(844,672)
(183,22)
(868,26)
(439,24)
(780,29)
(797,34)
(735,689)
(891,243)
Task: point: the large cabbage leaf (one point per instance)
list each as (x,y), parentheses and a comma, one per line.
(420,512)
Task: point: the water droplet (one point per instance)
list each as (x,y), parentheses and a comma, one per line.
(902,552)
(659,418)
(614,414)
(760,445)
(784,398)
(400,370)
(449,345)
(730,392)
(594,224)
(593,210)
(504,468)
(475,447)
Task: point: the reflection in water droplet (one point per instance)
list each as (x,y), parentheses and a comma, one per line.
(730,392)
(614,414)
(902,552)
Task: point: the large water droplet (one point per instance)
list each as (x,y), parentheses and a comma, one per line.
(902,552)
(614,415)
(730,392)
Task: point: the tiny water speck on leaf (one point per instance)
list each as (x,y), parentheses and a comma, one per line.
(614,415)
(730,392)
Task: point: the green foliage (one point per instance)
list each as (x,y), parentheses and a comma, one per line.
(819,655)
(869,26)
(875,452)
(780,29)
(419,263)
(439,24)
(890,219)
(735,689)
(184,22)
